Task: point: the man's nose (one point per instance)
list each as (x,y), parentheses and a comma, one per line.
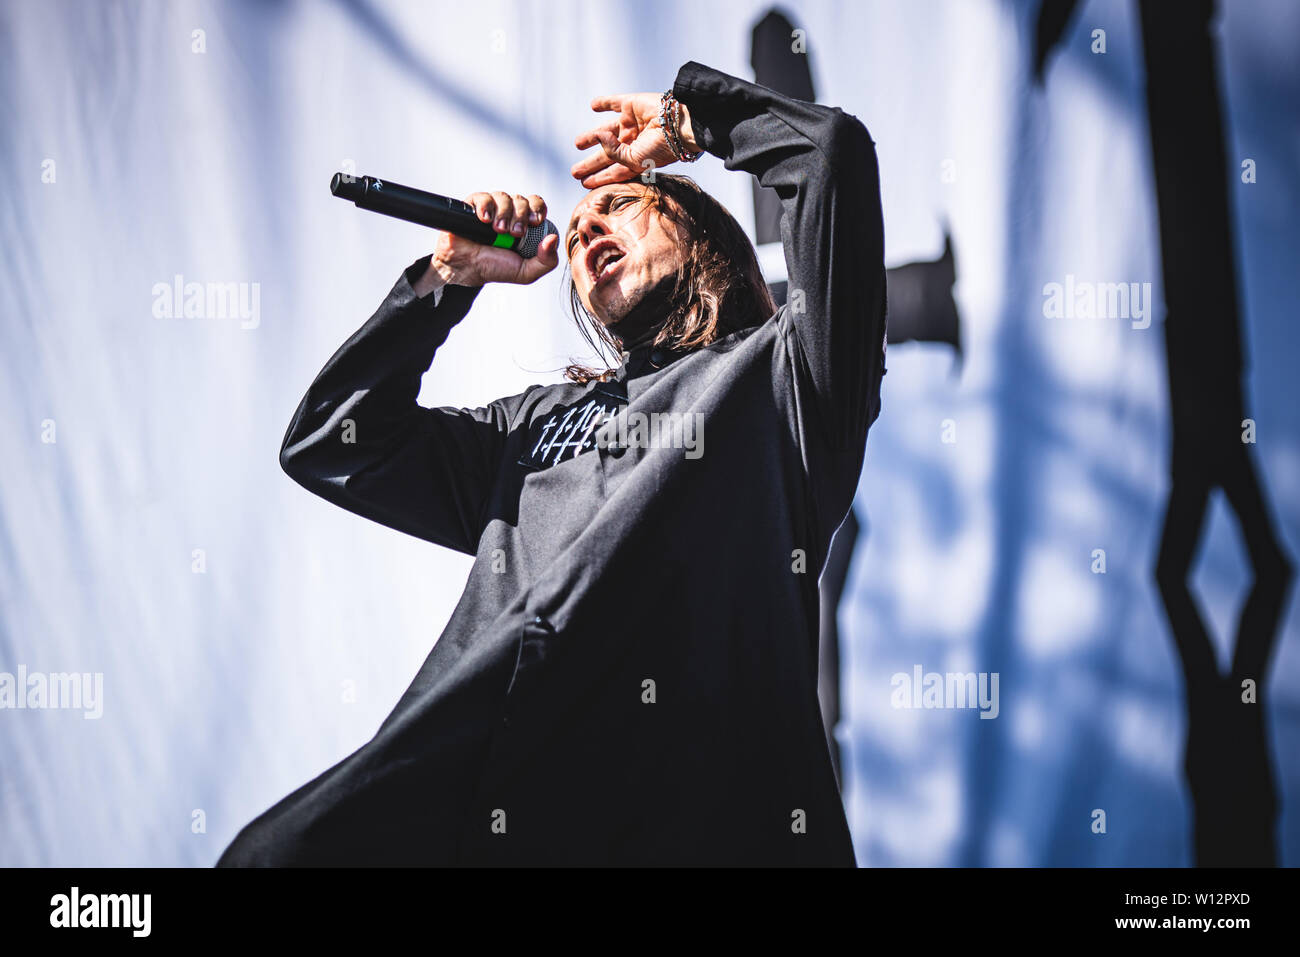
(591,225)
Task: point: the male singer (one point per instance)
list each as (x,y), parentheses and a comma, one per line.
(630,677)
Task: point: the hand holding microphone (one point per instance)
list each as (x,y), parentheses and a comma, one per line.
(465,262)
(491,237)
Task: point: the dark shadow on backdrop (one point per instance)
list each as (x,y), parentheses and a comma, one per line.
(375,25)
(1227,763)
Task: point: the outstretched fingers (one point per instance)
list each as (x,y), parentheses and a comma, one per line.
(608,101)
(596,161)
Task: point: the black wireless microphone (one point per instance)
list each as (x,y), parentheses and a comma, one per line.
(438,212)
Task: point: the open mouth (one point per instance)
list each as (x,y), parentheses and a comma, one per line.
(602,261)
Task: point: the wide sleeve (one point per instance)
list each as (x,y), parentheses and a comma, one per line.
(821,162)
(361,440)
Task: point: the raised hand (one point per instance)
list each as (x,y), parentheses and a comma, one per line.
(630,145)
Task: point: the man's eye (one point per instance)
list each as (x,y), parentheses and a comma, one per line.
(620,201)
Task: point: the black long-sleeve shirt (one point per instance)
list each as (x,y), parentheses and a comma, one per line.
(630,675)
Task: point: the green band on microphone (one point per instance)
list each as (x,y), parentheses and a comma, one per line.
(505,240)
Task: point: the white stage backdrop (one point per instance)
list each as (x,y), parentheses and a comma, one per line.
(250,635)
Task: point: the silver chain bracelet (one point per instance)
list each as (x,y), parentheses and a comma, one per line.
(668,121)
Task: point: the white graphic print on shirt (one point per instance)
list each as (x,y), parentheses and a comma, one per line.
(566,433)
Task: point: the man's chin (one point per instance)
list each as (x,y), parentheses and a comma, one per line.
(629,318)
(614,313)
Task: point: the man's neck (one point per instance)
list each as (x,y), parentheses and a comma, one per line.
(644,338)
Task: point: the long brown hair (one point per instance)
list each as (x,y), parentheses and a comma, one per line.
(719,289)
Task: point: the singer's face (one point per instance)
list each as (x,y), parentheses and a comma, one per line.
(619,247)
